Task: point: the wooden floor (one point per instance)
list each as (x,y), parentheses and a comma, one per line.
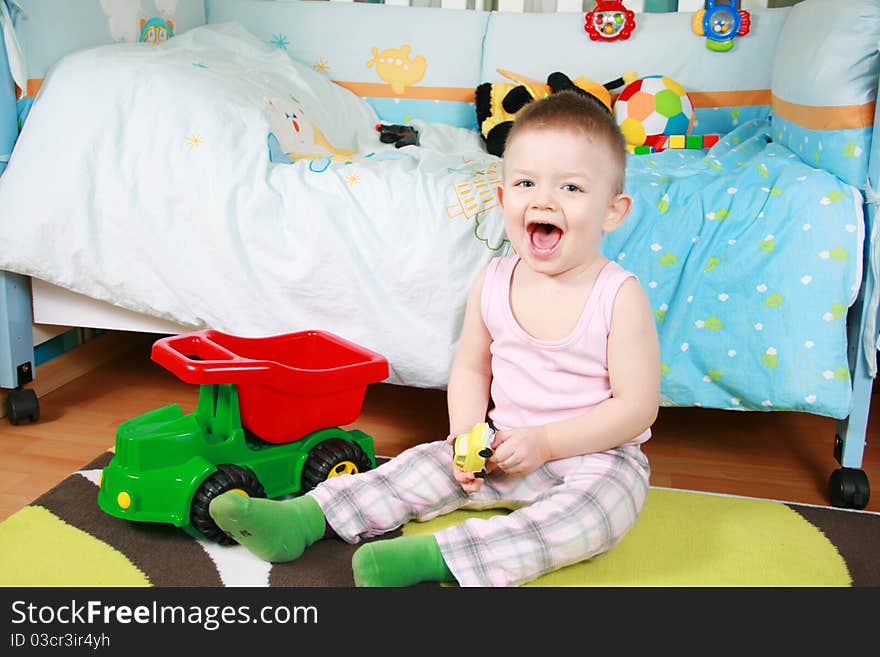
(785,456)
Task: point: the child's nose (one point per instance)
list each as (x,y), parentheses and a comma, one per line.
(543,201)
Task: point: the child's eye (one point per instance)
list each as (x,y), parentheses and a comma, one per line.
(525,183)
(571,188)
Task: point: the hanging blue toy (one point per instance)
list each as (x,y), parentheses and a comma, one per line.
(721,22)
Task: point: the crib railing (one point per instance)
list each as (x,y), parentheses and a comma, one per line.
(558,6)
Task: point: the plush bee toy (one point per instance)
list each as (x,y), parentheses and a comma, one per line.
(498,103)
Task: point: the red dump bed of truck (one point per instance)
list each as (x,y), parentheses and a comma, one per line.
(288,385)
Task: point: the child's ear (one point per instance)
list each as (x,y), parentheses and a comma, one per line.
(617,211)
(500,191)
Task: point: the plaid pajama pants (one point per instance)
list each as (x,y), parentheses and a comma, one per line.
(566,511)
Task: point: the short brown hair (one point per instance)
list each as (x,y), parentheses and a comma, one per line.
(571,110)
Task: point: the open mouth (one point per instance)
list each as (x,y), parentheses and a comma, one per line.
(544,238)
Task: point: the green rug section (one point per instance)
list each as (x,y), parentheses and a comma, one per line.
(692,540)
(35,539)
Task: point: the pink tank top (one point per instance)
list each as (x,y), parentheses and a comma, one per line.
(536,381)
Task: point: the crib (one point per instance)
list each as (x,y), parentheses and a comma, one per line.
(744,88)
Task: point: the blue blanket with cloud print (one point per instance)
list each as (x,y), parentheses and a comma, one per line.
(750,259)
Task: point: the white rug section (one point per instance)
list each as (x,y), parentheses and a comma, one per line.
(92,475)
(236,566)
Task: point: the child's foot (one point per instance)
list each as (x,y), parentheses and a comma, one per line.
(400,561)
(273,530)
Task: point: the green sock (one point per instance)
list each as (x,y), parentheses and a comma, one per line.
(274,530)
(402,561)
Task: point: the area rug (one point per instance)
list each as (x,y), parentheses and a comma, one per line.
(682,539)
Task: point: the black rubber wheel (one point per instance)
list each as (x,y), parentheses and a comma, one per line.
(331,458)
(849,488)
(23,403)
(227,477)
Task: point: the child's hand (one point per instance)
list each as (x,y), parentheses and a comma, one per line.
(520,451)
(469,482)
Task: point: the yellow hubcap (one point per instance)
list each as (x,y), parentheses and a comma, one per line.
(241,492)
(343,467)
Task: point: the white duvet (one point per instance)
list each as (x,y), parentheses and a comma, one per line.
(142,178)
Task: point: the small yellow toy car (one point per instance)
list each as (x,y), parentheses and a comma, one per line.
(470,450)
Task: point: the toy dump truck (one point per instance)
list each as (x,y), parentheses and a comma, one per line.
(267,424)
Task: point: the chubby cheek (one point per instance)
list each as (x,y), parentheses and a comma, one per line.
(514,228)
(513,220)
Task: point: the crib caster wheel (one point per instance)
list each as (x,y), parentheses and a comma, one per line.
(23,403)
(849,488)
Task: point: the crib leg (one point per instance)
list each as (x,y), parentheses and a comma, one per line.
(17,347)
(849,487)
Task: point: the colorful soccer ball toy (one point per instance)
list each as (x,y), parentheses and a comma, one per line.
(651,108)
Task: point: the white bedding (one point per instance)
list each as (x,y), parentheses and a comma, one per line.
(142,178)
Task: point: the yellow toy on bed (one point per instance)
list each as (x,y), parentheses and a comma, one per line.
(498,103)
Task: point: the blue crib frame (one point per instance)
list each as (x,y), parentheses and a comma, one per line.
(848,485)
(16,322)
(849,481)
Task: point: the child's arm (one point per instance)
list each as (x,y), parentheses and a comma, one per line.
(467,395)
(634,373)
